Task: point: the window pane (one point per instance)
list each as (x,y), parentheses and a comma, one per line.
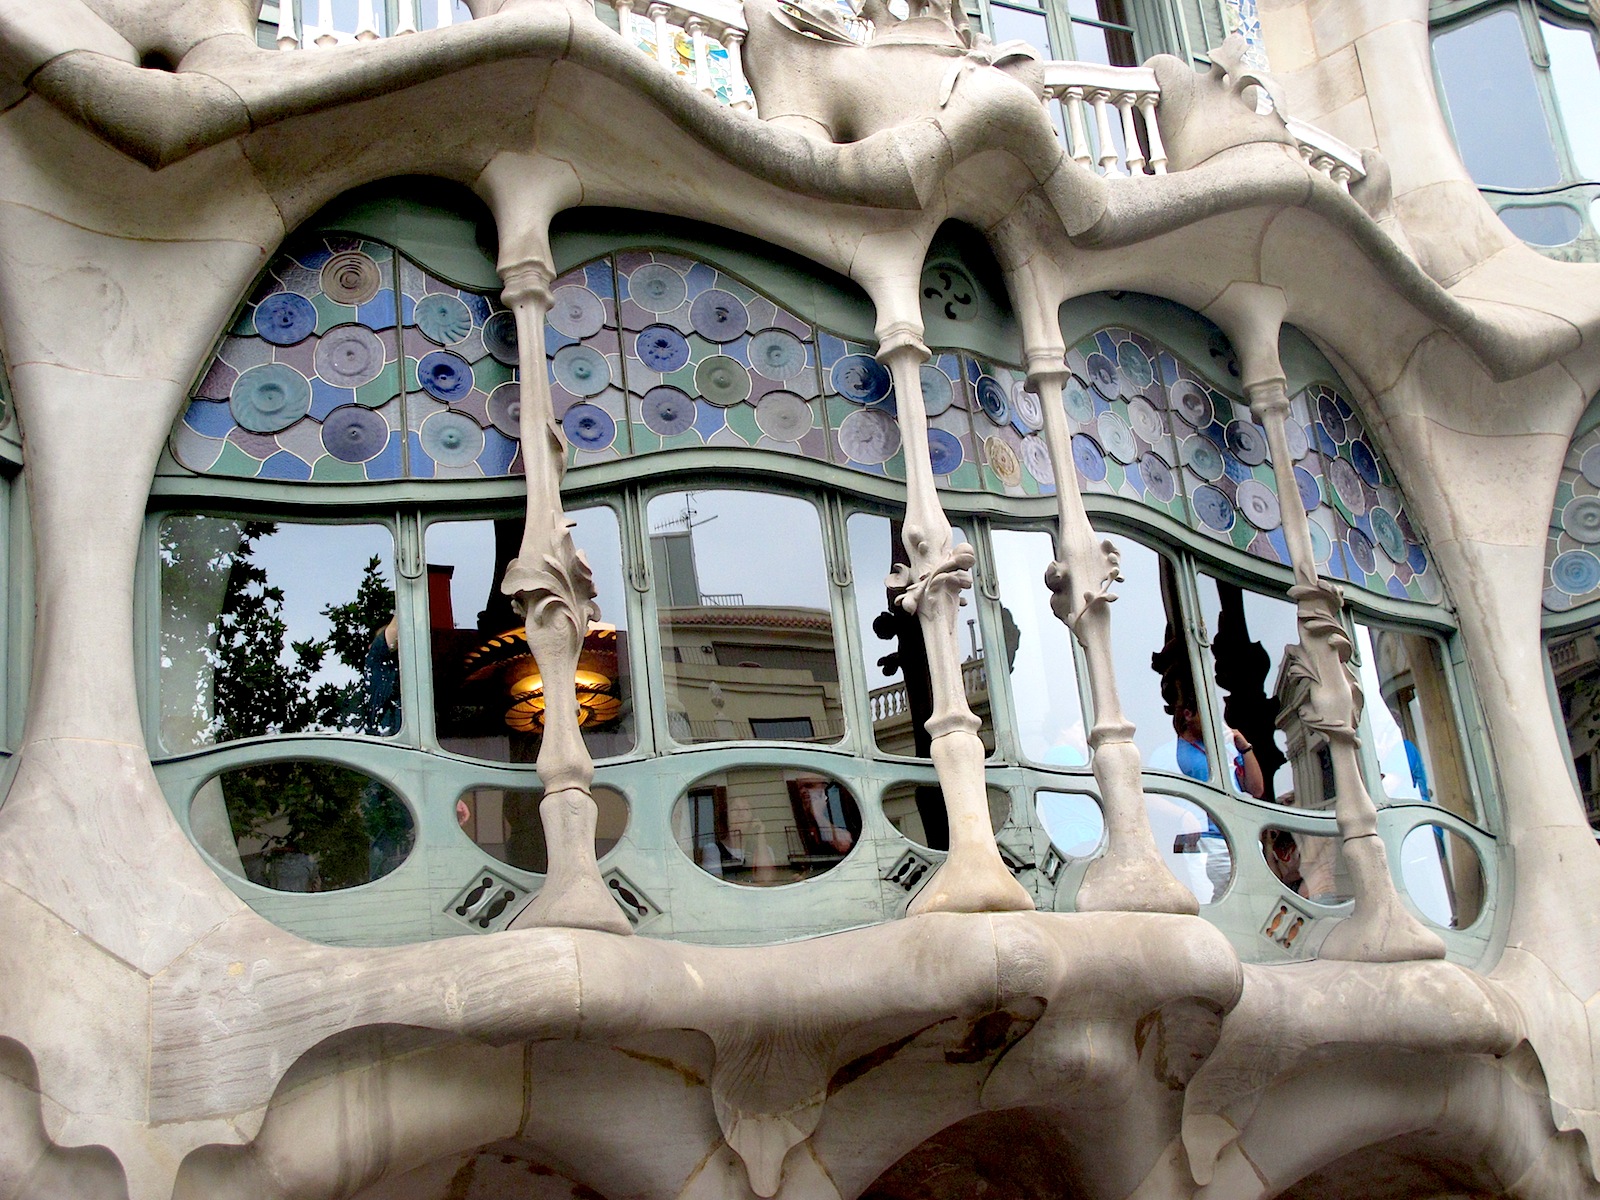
(1494,103)
(1575,663)
(488,696)
(1409,710)
(1248,634)
(1542,224)
(1103,44)
(907,807)
(275,628)
(1150,650)
(899,692)
(1044,682)
(764,826)
(1442,875)
(1015,24)
(1073,821)
(302,826)
(505,823)
(1194,847)
(1575,73)
(746,631)
(1308,864)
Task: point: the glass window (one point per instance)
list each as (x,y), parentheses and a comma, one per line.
(1409,710)
(1194,847)
(505,823)
(764,826)
(917,811)
(1150,650)
(1102,32)
(1494,105)
(1248,633)
(488,695)
(1308,864)
(899,691)
(1543,224)
(1039,654)
(1073,822)
(1021,24)
(301,826)
(1575,77)
(1575,663)
(742,598)
(270,627)
(1442,875)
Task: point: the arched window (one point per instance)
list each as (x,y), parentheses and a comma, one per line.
(1519,84)
(345,712)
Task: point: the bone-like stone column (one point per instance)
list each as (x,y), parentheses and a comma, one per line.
(1130,876)
(1380,929)
(553,590)
(973,878)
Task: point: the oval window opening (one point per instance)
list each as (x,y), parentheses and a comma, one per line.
(1073,821)
(1308,864)
(1193,845)
(302,826)
(917,811)
(505,824)
(766,826)
(1443,876)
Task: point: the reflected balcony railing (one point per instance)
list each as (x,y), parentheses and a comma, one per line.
(892,701)
(313,24)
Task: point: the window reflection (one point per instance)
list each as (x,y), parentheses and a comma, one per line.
(1575,663)
(1044,682)
(1308,864)
(1248,634)
(1409,710)
(1442,875)
(1155,676)
(901,694)
(269,627)
(905,804)
(488,694)
(505,823)
(1194,847)
(765,826)
(1073,822)
(1494,104)
(747,639)
(302,826)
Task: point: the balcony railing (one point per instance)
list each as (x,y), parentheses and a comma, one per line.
(310,24)
(889,702)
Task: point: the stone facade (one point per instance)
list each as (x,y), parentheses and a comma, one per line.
(976,1021)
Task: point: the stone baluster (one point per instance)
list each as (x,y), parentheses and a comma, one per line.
(1075,127)
(1158,149)
(664,50)
(624,9)
(1102,128)
(1130,134)
(366,22)
(1380,929)
(325,35)
(405,17)
(696,28)
(552,589)
(973,878)
(1131,875)
(739,92)
(288,39)
(1342,175)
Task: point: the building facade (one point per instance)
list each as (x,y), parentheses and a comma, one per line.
(802,600)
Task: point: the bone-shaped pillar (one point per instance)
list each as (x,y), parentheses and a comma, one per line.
(1131,875)
(974,877)
(553,590)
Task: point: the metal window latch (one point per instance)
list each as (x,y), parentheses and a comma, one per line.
(408,545)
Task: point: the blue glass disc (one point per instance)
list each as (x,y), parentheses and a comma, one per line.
(285,318)
(505,409)
(1361,550)
(719,316)
(656,287)
(667,411)
(444,376)
(582,370)
(1246,443)
(662,348)
(500,337)
(938,393)
(588,427)
(992,399)
(1332,422)
(443,318)
(861,379)
(1576,572)
(452,439)
(1088,458)
(1365,462)
(777,354)
(944,451)
(1158,480)
(270,397)
(1213,507)
(354,433)
(1387,531)
(1103,376)
(1310,490)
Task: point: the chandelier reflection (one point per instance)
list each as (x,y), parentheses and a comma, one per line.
(505,663)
